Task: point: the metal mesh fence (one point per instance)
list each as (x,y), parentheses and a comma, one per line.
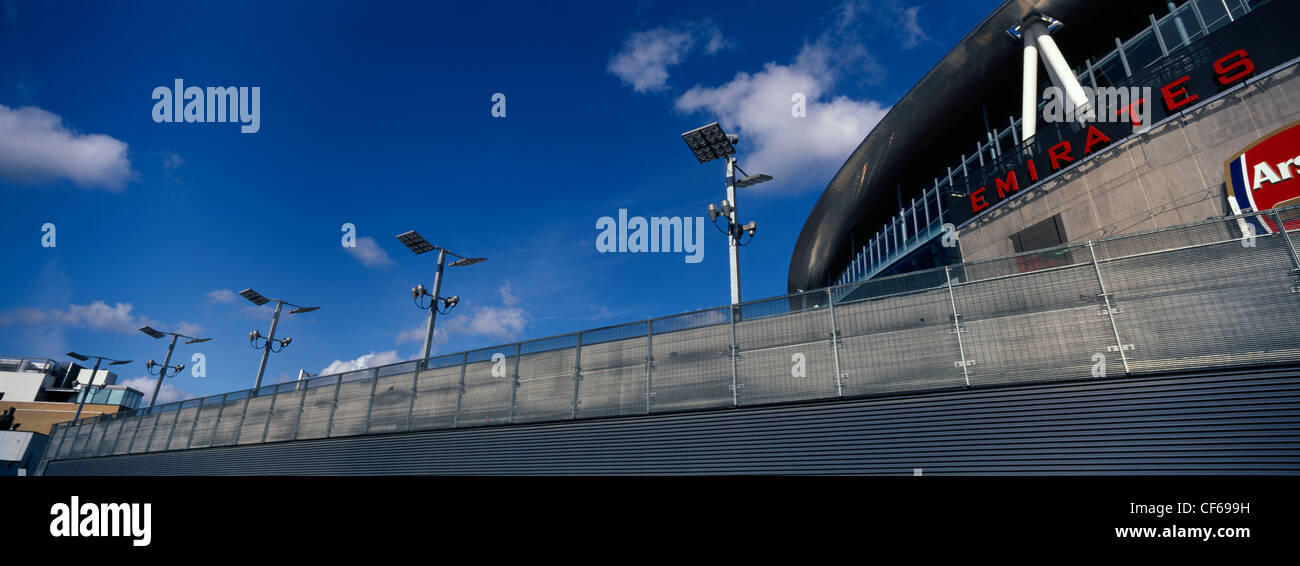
(1201,295)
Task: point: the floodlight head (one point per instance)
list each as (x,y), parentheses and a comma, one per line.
(120,362)
(415,242)
(180,368)
(751,227)
(284,343)
(452,302)
(77,356)
(197,340)
(752,180)
(467,261)
(254,297)
(713,212)
(710,142)
(254,335)
(151,332)
(149,364)
(301,310)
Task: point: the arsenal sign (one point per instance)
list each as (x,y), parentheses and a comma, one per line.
(1267,175)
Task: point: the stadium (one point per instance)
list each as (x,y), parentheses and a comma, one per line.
(978,291)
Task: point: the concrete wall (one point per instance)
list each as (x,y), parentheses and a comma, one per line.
(23,385)
(1170,175)
(40,416)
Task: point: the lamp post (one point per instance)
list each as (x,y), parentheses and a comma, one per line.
(419,245)
(268,345)
(94,372)
(711,142)
(162,372)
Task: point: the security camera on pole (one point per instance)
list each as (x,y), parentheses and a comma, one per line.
(418,245)
(86,392)
(162,373)
(269,341)
(709,143)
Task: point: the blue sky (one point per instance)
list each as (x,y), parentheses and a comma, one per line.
(378,114)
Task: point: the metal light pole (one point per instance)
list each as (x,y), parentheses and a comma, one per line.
(266,348)
(162,373)
(94,372)
(433,313)
(269,346)
(419,245)
(708,143)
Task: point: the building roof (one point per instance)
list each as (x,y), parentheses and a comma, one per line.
(942,117)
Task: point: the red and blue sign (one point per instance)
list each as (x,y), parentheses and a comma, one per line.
(1265,176)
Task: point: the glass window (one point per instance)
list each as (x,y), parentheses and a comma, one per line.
(1142,50)
(1215,12)
(1180,29)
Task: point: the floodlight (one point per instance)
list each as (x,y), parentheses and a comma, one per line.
(468,261)
(149,364)
(415,242)
(284,343)
(752,180)
(197,340)
(151,332)
(710,142)
(751,227)
(301,310)
(254,335)
(713,213)
(180,368)
(77,356)
(452,302)
(119,362)
(255,297)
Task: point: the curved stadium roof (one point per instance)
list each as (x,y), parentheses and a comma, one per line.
(942,117)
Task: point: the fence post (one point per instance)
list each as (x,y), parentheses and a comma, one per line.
(167,443)
(514,383)
(735,358)
(217,425)
(956,325)
(270,412)
(835,344)
(243,415)
(139,422)
(334,404)
(198,412)
(1110,312)
(649,365)
(460,389)
(302,404)
(577,377)
(370,407)
(1290,247)
(415,387)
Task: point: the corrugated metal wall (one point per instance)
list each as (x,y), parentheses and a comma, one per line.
(1225,422)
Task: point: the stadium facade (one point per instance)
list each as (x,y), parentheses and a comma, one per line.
(1099,298)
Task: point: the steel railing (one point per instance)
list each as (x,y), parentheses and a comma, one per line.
(1192,296)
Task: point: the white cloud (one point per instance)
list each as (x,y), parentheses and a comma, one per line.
(506,321)
(801,152)
(373,359)
(798,151)
(912,28)
(646,55)
(222,296)
(96,316)
(36,148)
(145,384)
(368,252)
